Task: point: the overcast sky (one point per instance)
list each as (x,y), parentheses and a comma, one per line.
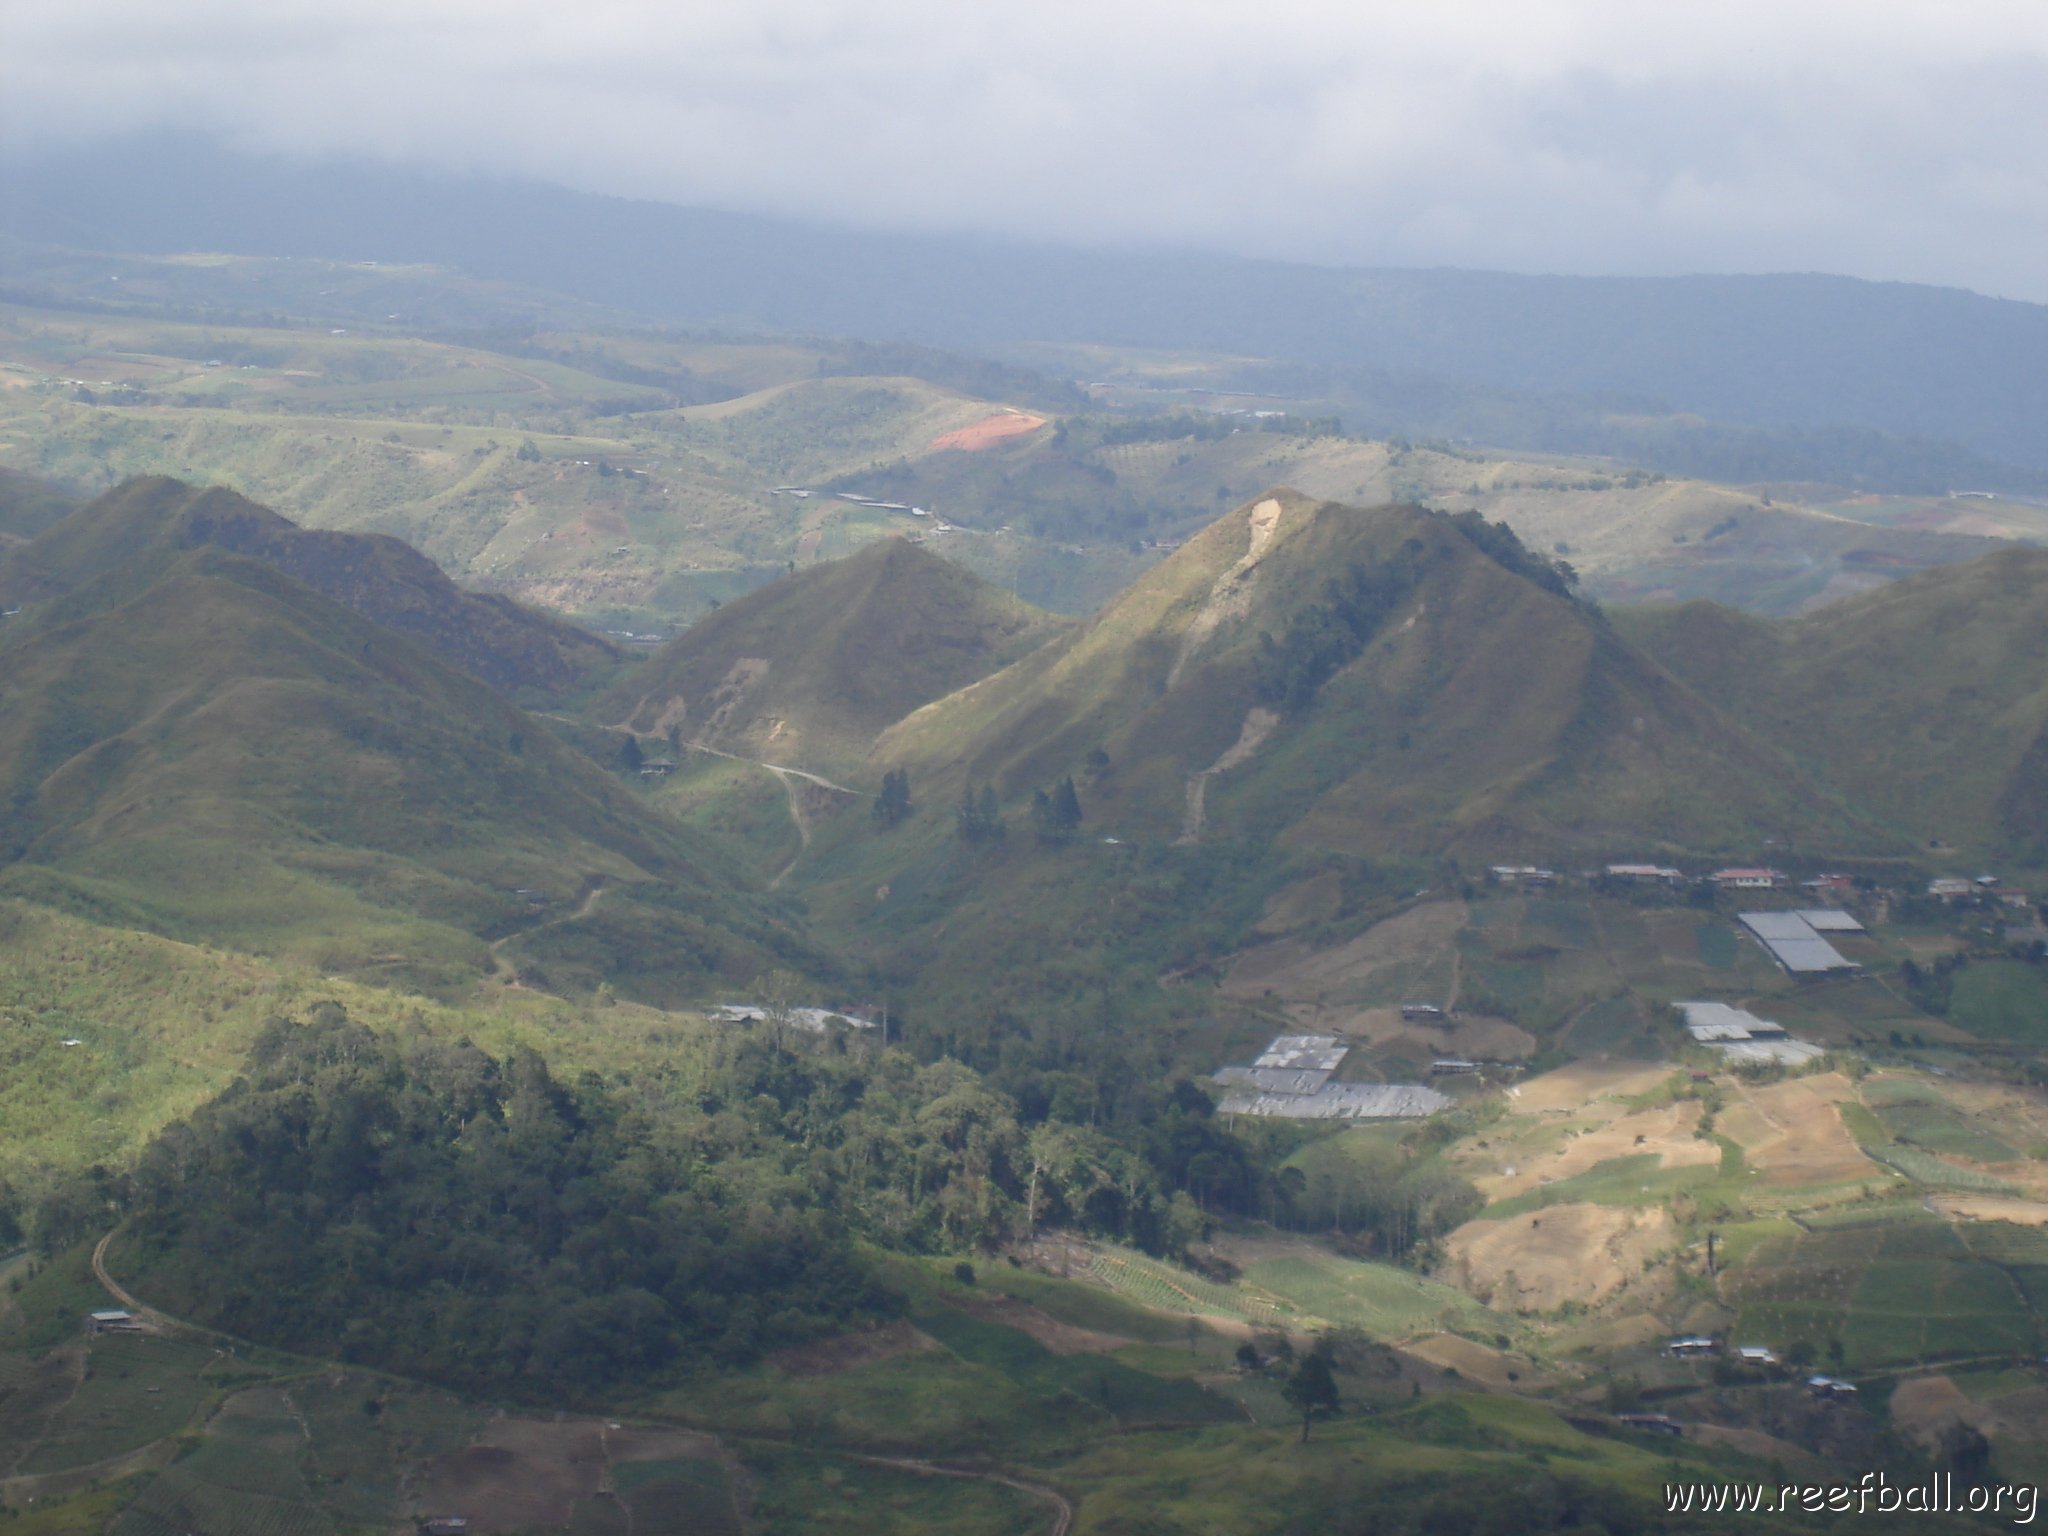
(1883,138)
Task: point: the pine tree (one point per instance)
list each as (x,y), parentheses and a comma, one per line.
(1066,806)
(893,803)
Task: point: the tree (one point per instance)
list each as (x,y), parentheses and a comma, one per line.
(1056,816)
(979,818)
(893,803)
(1311,1390)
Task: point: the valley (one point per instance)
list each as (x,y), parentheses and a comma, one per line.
(570,986)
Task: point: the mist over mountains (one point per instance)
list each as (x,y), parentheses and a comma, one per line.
(1791,376)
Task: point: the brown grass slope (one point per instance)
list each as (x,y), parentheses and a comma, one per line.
(511,647)
(809,671)
(218,751)
(1487,715)
(1926,701)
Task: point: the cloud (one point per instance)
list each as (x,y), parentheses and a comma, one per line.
(1898,141)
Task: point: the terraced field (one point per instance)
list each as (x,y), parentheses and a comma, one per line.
(1388,1303)
(1168,1289)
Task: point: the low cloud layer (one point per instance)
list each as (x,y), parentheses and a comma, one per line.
(1905,140)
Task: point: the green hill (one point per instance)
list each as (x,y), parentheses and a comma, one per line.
(810,670)
(511,647)
(1925,701)
(197,744)
(1369,681)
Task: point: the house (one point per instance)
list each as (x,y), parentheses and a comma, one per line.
(445,1525)
(1645,872)
(1522,874)
(657,768)
(1452,1066)
(1427,1013)
(1830,1389)
(1830,885)
(1950,887)
(113,1321)
(1692,1347)
(1756,1354)
(1753,879)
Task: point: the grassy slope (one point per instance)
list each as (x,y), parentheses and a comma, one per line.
(1926,701)
(197,744)
(491,638)
(1488,715)
(850,647)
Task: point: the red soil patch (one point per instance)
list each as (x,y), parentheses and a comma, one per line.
(989,431)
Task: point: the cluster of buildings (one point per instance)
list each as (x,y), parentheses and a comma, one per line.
(1291,1080)
(1740,1036)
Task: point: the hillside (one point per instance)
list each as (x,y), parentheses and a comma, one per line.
(511,647)
(810,670)
(1368,681)
(1925,701)
(197,744)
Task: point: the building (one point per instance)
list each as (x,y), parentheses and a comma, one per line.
(1756,1354)
(1950,888)
(1646,873)
(1452,1066)
(657,768)
(1740,1036)
(1830,1389)
(1522,874)
(1692,1347)
(445,1525)
(1756,879)
(1291,1080)
(112,1321)
(1795,944)
(1425,1013)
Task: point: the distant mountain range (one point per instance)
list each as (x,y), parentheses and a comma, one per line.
(1925,383)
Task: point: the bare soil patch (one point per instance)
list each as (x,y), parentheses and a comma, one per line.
(1294,971)
(1061,1338)
(2025,1213)
(829,1357)
(1474,1035)
(1571,1088)
(519,1473)
(1475,1362)
(1924,1406)
(652,1444)
(980,436)
(1666,1131)
(1537,1263)
(1792,1132)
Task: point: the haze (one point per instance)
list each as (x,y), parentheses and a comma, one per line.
(1895,142)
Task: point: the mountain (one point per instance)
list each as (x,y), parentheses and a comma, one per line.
(810,670)
(1369,681)
(511,647)
(1794,354)
(198,744)
(1925,701)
